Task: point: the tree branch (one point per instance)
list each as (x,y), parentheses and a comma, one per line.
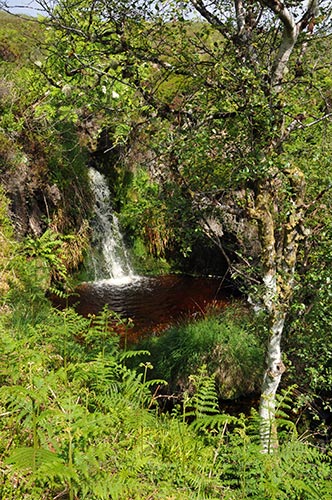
(211,18)
(291,31)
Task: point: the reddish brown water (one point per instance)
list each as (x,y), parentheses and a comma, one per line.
(152,303)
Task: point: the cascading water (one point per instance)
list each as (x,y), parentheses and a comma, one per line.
(153,303)
(109,257)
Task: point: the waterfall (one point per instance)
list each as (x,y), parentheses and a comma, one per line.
(109,257)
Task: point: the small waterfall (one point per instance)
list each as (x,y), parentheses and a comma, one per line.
(109,257)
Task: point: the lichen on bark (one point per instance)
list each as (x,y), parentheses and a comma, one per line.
(280,222)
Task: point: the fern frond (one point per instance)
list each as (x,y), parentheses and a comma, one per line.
(205,399)
(213,422)
(26,457)
(314,492)
(156,381)
(132,354)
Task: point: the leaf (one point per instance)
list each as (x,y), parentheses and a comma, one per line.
(213,422)
(28,458)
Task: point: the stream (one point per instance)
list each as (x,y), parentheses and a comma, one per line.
(151,303)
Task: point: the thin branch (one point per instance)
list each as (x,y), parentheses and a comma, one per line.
(322,118)
(319,196)
(211,18)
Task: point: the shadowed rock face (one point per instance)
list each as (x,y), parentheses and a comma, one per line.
(32,199)
(152,304)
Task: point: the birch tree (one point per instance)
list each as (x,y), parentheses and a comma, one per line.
(279,241)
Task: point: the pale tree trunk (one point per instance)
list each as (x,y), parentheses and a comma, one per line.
(278,204)
(272,376)
(278,257)
(263,212)
(290,33)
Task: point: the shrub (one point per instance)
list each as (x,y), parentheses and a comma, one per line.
(225,342)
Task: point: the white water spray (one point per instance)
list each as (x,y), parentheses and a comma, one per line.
(109,257)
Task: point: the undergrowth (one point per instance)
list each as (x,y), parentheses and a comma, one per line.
(224,341)
(77,423)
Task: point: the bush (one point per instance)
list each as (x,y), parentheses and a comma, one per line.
(225,342)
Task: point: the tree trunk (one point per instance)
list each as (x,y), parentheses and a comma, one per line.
(278,257)
(272,376)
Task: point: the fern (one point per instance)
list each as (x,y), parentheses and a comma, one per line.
(30,459)
(48,248)
(285,405)
(204,400)
(85,428)
(125,355)
(213,422)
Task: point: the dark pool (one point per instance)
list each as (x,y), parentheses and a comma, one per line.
(152,303)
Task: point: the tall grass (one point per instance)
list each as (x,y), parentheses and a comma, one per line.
(226,342)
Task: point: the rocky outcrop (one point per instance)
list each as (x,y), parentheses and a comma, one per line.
(33,201)
(36,203)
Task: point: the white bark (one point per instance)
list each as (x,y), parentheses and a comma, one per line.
(287,45)
(240,16)
(278,259)
(291,31)
(280,263)
(272,376)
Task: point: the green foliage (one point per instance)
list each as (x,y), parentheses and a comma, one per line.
(199,96)
(23,281)
(47,248)
(280,476)
(159,222)
(7,245)
(225,342)
(145,219)
(308,339)
(205,396)
(31,266)
(41,155)
(19,39)
(77,423)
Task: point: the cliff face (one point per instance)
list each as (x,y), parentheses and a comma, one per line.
(34,205)
(33,197)
(43,157)
(33,201)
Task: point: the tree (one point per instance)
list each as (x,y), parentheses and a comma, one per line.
(227,86)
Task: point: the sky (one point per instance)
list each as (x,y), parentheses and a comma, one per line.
(29,7)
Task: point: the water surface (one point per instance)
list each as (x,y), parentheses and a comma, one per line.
(151,303)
